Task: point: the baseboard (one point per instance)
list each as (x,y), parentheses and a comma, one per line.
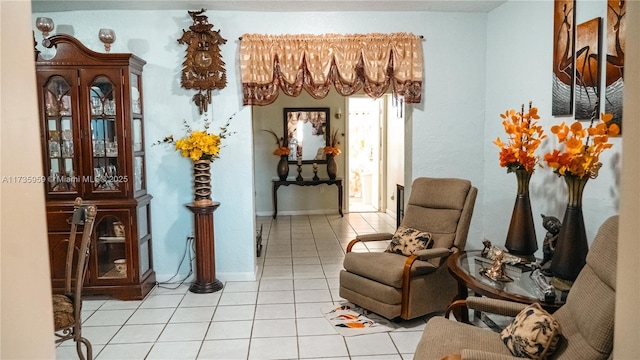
(222,276)
(299,212)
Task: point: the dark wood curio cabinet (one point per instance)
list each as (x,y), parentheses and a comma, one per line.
(92,127)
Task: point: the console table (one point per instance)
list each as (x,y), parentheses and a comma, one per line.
(277,183)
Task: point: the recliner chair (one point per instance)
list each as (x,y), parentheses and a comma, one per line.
(586,319)
(394,285)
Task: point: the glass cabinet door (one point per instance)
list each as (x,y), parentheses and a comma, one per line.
(112,236)
(139,185)
(106,167)
(60,136)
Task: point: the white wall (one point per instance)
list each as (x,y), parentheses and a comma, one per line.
(293,200)
(395,155)
(446,129)
(523,76)
(449,110)
(153,35)
(26,316)
(454,79)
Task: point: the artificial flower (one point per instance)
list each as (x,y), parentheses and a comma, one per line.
(198,144)
(333,148)
(524,136)
(282,148)
(582,147)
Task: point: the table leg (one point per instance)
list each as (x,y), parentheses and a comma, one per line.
(461,313)
(275,200)
(340,198)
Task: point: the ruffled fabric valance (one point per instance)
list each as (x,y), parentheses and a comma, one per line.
(291,63)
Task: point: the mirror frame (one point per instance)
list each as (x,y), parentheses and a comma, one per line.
(324,112)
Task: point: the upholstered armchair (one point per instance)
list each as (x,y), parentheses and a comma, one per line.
(394,285)
(586,320)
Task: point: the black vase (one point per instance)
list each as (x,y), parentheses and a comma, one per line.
(572,247)
(521,237)
(332,167)
(283,167)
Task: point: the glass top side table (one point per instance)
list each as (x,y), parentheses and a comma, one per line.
(464,267)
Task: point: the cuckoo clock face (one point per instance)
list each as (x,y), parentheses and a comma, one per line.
(203,68)
(202,61)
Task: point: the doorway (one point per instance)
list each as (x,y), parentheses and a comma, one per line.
(366,153)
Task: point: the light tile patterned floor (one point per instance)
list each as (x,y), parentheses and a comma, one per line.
(276,317)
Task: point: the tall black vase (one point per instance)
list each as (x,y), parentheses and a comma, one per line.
(572,247)
(332,167)
(283,167)
(521,237)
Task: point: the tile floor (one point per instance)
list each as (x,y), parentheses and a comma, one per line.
(276,317)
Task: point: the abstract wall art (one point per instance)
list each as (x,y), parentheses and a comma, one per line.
(563,59)
(614,64)
(588,60)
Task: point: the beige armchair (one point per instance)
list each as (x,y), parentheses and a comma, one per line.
(586,319)
(394,285)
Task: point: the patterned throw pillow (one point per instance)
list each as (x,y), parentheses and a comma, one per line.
(408,240)
(533,334)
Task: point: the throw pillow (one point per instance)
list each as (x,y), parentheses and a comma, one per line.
(533,334)
(406,241)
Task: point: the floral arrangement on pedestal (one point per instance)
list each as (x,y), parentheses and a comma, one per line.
(332,150)
(577,161)
(282,150)
(518,156)
(202,147)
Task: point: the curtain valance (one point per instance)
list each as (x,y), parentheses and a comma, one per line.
(291,63)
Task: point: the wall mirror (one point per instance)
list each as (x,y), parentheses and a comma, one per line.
(305,130)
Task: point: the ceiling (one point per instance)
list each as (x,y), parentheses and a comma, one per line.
(270,5)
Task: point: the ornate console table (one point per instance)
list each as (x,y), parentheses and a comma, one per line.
(277,183)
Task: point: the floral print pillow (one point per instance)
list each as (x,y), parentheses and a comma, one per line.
(406,241)
(533,334)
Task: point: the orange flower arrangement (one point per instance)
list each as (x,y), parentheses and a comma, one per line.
(524,138)
(282,148)
(332,148)
(582,147)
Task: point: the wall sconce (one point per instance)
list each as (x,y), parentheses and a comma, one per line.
(108,37)
(338,114)
(45,25)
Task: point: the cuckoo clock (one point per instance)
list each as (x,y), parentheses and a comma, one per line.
(203,68)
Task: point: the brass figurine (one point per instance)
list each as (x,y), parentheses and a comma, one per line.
(496,271)
(486,249)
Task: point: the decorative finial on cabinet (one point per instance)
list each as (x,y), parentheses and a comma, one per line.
(108,37)
(45,25)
